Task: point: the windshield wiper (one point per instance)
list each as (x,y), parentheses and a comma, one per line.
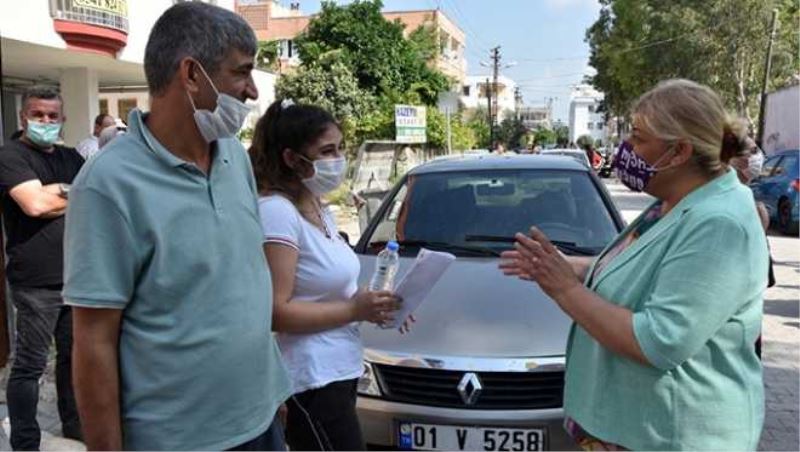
(570,248)
(444,246)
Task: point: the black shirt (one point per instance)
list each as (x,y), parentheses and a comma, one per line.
(34,245)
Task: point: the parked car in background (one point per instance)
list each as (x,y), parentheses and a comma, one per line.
(576,154)
(483,366)
(777,187)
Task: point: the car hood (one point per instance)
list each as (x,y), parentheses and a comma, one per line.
(474,311)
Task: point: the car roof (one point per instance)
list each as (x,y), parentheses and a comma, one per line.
(492,162)
(566,151)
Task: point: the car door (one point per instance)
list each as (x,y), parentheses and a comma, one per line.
(765,186)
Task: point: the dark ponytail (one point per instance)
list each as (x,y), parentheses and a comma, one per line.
(285,126)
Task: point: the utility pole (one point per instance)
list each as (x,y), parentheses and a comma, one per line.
(449,131)
(517,101)
(489,115)
(495,57)
(767,69)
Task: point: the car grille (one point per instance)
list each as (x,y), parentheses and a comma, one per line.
(501,390)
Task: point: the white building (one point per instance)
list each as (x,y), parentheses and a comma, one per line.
(476,87)
(93,50)
(583,116)
(534,117)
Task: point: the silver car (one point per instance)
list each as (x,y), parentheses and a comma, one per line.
(483,366)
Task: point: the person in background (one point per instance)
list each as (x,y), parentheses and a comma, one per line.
(748,167)
(298,159)
(109,133)
(35,178)
(89,146)
(661,355)
(163,261)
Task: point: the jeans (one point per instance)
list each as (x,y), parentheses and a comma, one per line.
(325,419)
(41,317)
(272,439)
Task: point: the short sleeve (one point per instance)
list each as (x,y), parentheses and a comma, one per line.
(101,258)
(14,169)
(699,287)
(280,221)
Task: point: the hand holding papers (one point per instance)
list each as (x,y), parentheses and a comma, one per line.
(418,282)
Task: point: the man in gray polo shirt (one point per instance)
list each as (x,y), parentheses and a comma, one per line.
(170,291)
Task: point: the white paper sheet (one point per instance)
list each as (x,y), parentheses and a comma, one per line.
(417,283)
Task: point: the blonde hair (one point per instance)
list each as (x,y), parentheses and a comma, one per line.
(682,110)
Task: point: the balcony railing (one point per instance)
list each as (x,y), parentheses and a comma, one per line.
(105,13)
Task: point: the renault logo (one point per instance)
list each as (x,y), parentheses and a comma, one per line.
(470,388)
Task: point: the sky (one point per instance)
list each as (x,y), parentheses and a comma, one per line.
(545,38)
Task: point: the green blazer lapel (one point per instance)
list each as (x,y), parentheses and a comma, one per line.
(663,225)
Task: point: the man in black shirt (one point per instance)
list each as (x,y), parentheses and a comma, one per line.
(35,174)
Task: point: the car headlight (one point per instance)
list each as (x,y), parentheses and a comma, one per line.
(368,383)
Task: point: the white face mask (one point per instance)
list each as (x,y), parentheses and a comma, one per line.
(755,163)
(225,120)
(328,175)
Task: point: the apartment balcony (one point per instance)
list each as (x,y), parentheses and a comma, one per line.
(96,26)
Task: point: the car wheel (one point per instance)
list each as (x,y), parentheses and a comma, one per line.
(785,217)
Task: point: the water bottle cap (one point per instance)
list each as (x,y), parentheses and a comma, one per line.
(392,246)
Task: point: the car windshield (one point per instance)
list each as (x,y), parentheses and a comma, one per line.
(477,213)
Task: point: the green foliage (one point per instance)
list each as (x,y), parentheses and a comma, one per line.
(562,135)
(722,43)
(544,136)
(331,85)
(512,133)
(478,123)
(383,61)
(267,55)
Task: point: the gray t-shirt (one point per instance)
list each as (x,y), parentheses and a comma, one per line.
(181,253)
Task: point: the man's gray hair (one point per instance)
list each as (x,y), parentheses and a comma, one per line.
(41,92)
(198,30)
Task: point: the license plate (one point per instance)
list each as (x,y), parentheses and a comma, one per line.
(413,436)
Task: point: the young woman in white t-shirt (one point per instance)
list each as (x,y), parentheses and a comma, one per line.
(297,158)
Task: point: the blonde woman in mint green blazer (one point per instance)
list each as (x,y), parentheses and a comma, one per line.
(661,353)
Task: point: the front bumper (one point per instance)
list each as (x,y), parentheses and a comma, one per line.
(379,419)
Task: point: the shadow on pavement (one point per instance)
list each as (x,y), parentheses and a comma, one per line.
(784,308)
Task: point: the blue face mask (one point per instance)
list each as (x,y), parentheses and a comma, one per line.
(43,134)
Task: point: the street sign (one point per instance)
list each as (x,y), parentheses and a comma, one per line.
(410,123)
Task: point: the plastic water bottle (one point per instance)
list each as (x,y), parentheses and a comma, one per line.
(385,268)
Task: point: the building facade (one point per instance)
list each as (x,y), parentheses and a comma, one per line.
(92,50)
(274,22)
(475,90)
(534,117)
(584,118)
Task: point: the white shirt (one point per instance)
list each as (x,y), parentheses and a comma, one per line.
(327,270)
(88,147)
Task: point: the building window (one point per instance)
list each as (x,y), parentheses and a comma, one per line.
(590,126)
(591,108)
(600,126)
(103,106)
(286,48)
(465,90)
(124,106)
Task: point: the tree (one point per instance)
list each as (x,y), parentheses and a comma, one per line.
(477,122)
(383,61)
(544,136)
(634,44)
(267,55)
(512,133)
(332,86)
(562,135)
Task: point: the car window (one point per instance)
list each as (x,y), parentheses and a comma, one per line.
(458,208)
(787,166)
(770,165)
